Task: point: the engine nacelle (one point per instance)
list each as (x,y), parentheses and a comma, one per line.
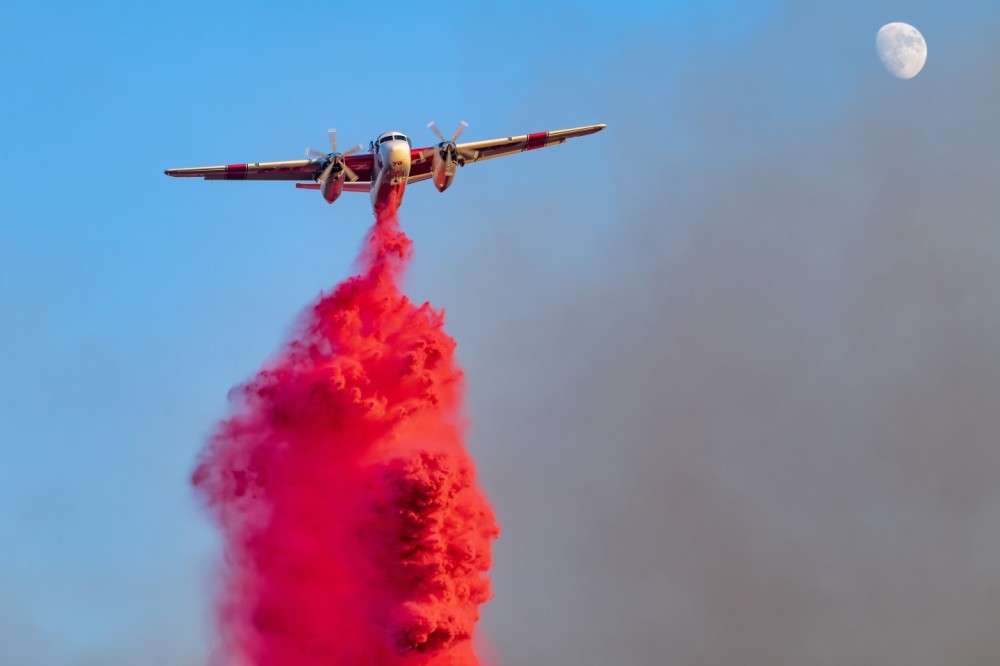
(333,186)
(445,166)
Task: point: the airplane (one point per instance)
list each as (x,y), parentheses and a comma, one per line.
(389,165)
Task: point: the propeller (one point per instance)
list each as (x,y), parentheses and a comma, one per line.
(449,144)
(461,128)
(335,158)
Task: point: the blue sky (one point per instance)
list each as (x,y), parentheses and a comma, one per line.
(130,303)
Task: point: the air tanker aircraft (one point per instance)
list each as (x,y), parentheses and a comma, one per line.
(390,163)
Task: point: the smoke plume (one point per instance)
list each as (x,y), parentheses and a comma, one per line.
(354,530)
(749,414)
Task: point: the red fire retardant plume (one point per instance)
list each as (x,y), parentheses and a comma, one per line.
(354,530)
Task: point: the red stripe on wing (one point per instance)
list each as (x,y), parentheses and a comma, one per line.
(536,140)
(236,172)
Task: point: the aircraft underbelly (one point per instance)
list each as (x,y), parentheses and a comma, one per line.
(389,188)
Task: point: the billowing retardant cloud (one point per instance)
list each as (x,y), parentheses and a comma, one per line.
(750,414)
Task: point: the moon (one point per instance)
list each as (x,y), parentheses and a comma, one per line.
(902,49)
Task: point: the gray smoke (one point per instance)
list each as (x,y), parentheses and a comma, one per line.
(750,414)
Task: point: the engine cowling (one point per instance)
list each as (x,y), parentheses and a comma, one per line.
(445,165)
(333,186)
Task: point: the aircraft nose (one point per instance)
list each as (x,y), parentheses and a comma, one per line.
(399,153)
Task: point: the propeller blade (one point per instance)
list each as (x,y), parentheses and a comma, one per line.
(333,140)
(434,128)
(328,170)
(352,150)
(461,128)
(314,153)
(468,154)
(350,173)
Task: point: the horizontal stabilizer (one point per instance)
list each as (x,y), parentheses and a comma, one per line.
(361,186)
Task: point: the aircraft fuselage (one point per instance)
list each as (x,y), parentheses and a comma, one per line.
(392,166)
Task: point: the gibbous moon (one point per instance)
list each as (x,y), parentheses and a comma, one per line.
(902,49)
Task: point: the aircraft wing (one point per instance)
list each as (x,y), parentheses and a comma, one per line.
(291,170)
(421,162)
(476,151)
